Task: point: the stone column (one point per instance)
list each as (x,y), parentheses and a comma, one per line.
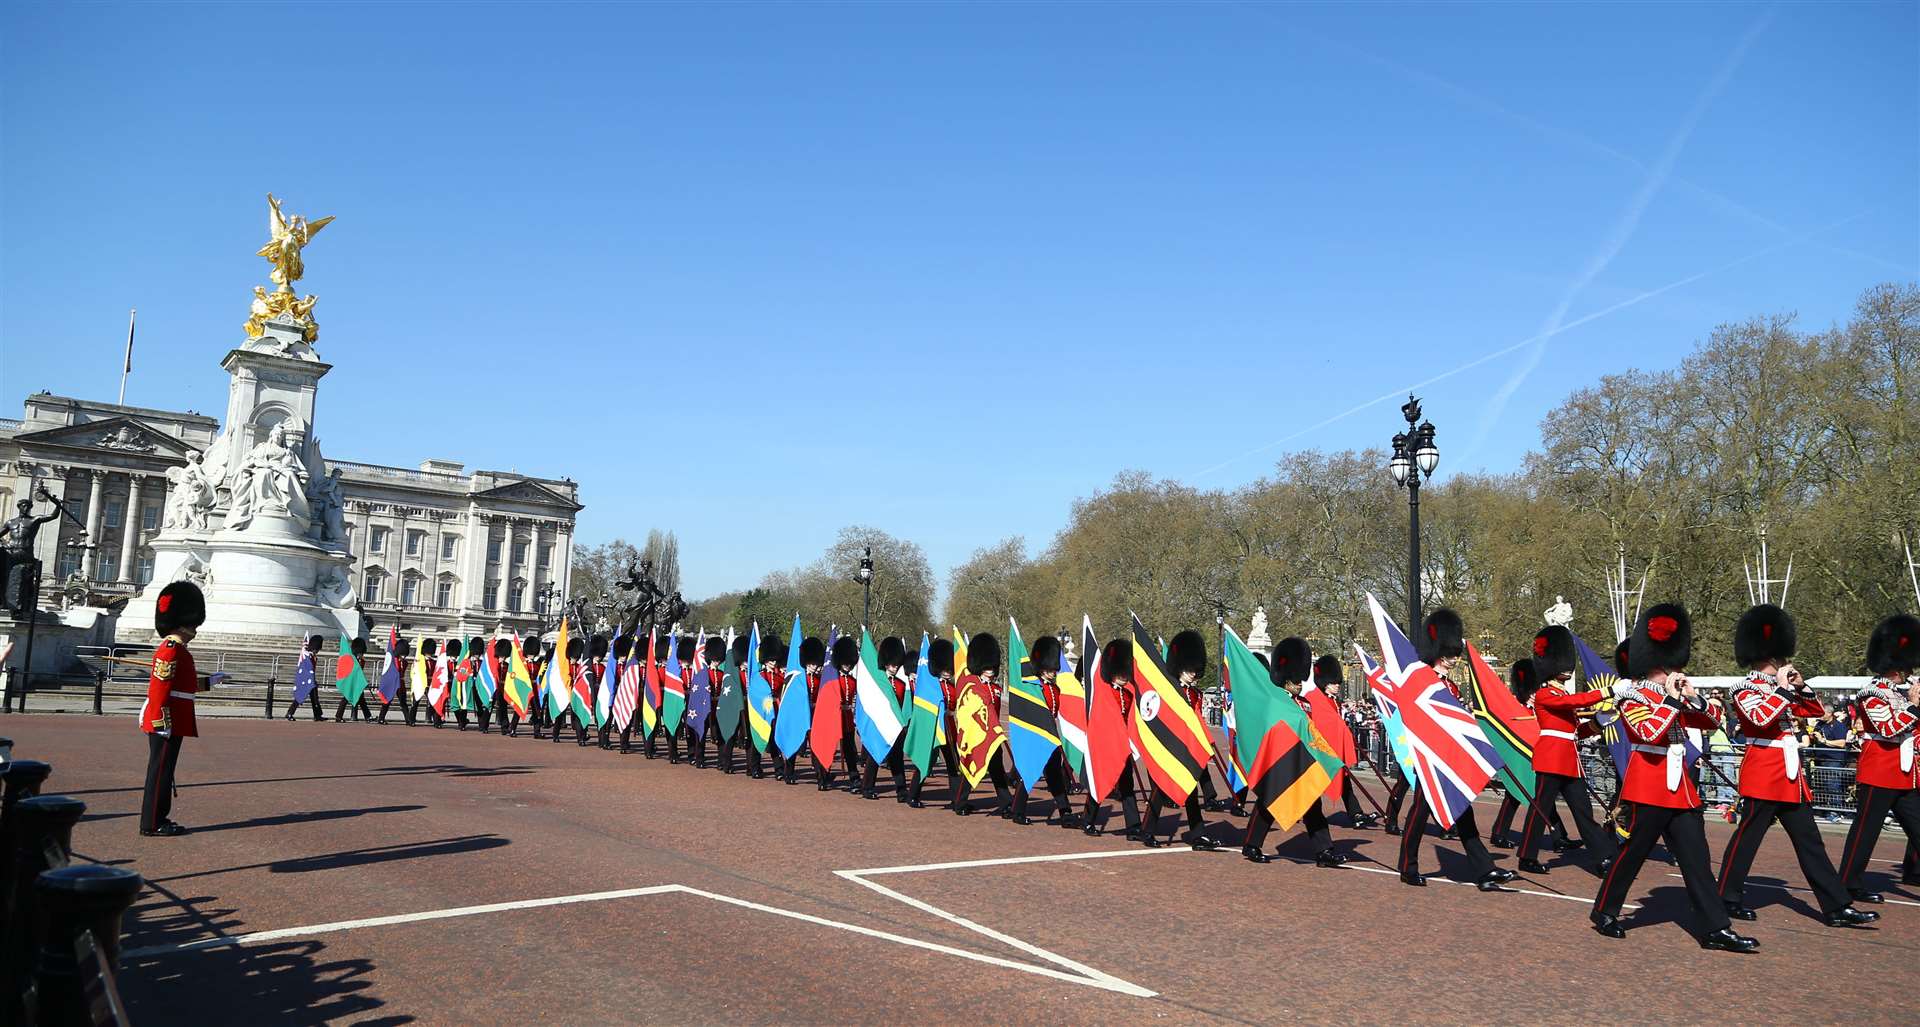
(130,535)
(563,558)
(94,512)
(473,573)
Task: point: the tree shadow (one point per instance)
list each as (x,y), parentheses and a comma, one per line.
(308,817)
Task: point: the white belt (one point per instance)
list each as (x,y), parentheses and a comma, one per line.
(1549,733)
(1676,755)
(188,696)
(1789,746)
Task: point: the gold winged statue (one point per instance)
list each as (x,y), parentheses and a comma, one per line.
(289,235)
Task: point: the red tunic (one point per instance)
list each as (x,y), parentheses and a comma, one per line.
(170,689)
(1558,712)
(1772,768)
(1886,751)
(776,683)
(813,687)
(1656,769)
(1051,693)
(899,687)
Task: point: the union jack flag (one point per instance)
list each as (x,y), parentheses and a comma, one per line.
(1451,758)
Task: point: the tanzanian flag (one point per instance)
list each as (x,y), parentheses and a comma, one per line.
(760,709)
(519,686)
(795,717)
(927,719)
(347,675)
(1288,762)
(1508,723)
(1167,733)
(1033,733)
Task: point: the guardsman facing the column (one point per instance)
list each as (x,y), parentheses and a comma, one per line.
(167,716)
(1556,756)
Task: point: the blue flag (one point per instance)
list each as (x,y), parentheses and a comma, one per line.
(699,701)
(1599,674)
(390,676)
(1033,732)
(795,718)
(303,677)
(759,696)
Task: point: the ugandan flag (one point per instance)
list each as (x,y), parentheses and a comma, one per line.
(1289,763)
(1167,733)
(1512,728)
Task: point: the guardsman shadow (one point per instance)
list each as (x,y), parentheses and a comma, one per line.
(308,817)
(360,857)
(449,769)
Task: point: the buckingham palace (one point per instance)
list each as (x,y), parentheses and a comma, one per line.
(435,548)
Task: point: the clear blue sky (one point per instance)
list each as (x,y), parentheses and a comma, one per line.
(753,273)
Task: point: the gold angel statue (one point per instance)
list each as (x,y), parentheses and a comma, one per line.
(289,236)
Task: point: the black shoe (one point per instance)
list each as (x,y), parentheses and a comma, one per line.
(1573,843)
(1490,883)
(1501,843)
(1740,912)
(916,804)
(1393,828)
(168,829)
(1091,830)
(1023,820)
(1069,820)
(1132,834)
(1532,866)
(1726,941)
(1152,841)
(1329,858)
(1202,843)
(825,786)
(900,797)
(1413,877)
(1238,810)
(1501,875)
(1254,855)
(1870,897)
(964,811)
(1609,926)
(869,794)
(1216,806)
(1003,812)
(1850,917)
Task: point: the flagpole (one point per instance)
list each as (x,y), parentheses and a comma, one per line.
(126,366)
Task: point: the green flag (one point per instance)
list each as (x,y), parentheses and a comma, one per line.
(732,700)
(347,676)
(926,713)
(1289,764)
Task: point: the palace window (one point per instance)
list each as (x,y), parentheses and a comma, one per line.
(143,571)
(546,555)
(409,590)
(68,563)
(115,510)
(493,595)
(446,546)
(515,593)
(414,540)
(493,550)
(371,592)
(107,567)
(443,593)
(377,540)
(519,554)
(149,517)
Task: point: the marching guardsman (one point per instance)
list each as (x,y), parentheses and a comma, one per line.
(983,664)
(1186,661)
(1524,683)
(893,661)
(1773,783)
(714,652)
(813,658)
(422,670)
(683,651)
(361,711)
(1116,672)
(772,650)
(401,647)
(1441,641)
(1889,776)
(478,653)
(1288,667)
(1556,756)
(503,714)
(310,652)
(1196,697)
(167,716)
(1658,798)
(1328,677)
(533,653)
(846,656)
(940,665)
(737,733)
(577,665)
(1045,657)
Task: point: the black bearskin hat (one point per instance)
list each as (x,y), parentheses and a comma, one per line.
(453,648)
(983,653)
(1662,640)
(402,647)
(1291,662)
(597,647)
(476,646)
(716,650)
(940,657)
(1765,632)
(1187,652)
(1620,659)
(428,647)
(503,648)
(315,643)
(846,653)
(773,650)
(1554,653)
(532,646)
(1327,671)
(1442,637)
(741,646)
(1894,644)
(180,605)
(1045,654)
(813,652)
(576,648)
(623,647)
(893,652)
(683,649)
(1523,679)
(1116,660)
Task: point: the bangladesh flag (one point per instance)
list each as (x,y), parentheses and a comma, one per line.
(347,675)
(927,715)
(1509,725)
(1288,762)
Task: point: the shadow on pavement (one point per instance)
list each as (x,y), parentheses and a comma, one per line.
(361,857)
(449,769)
(308,817)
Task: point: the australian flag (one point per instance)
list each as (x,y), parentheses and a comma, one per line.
(303,677)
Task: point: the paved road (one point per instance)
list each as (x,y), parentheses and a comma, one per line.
(686,895)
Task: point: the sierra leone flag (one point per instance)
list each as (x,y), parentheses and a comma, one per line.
(877,716)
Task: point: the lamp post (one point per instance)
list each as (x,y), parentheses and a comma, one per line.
(1414,458)
(543,601)
(865,577)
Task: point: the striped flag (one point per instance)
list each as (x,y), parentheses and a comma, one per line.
(1509,724)
(652,680)
(485,678)
(877,716)
(1073,714)
(1033,732)
(928,716)
(609,683)
(626,695)
(1288,762)
(390,671)
(557,679)
(673,688)
(1107,746)
(760,708)
(1167,733)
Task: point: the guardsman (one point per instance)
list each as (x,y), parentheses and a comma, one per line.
(502,661)
(1658,798)
(813,657)
(1116,673)
(422,670)
(983,664)
(1196,699)
(1888,710)
(361,711)
(167,716)
(1045,658)
(1186,661)
(1440,642)
(1524,683)
(772,652)
(533,653)
(1556,756)
(893,659)
(737,733)
(311,652)
(715,656)
(1328,677)
(1773,783)
(1288,667)
(577,664)
(940,665)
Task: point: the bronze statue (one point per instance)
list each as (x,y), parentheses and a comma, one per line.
(19,571)
(18,534)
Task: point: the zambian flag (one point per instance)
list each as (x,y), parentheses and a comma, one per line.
(1289,763)
(1512,727)
(1167,733)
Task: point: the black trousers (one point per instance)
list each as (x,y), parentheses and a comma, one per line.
(1466,829)
(1124,792)
(1871,806)
(361,711)
(313,700)
(1685,832)
(940,754)
(849,758)
(1395,796)
(156,799)
(1350,798)
(1552,787)
(731,739)
(1319,838)
(1055,776)
(1796,818)
(1162,801)
(896,765)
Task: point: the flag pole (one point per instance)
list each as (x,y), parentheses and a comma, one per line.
(126,366)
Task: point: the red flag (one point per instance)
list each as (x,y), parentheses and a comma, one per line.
(824,739)
(1107,747)
(1327,720)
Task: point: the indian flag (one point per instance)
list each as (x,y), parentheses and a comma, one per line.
(558,679)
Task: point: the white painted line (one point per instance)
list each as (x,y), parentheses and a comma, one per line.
(1012,860)
(1508,889)
(1788,887)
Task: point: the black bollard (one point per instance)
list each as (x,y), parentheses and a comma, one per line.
(20,780)
(270,683)
(83,899)
(99,690)
(42,837)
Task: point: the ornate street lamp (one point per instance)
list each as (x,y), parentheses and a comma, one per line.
(1414,458)
(865,577)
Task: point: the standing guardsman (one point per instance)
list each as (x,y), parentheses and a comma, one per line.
(1889,776)
(1658,799)
(167,715)
(1773,781)
(1441,641)
(1288,667)
(893,661)
(1556,756)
